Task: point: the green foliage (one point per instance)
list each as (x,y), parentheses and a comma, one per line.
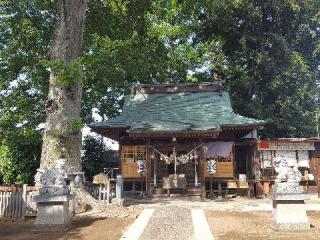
(267,52)
(271,59)
(75,124)
(140,42)
(20,156)
(25,33)
(96,157)
(65,74)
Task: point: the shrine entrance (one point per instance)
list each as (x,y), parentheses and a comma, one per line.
(175,170)
(244,160)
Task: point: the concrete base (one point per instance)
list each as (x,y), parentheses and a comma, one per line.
(289,215)
(53,214)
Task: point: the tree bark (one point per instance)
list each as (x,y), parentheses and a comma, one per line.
(61,139)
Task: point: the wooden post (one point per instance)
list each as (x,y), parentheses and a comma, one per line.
(1,201)
(233,159)
(108,192)
(317,160)
(120,158)
(148,170)
(100,190)
(202,174)
(195,173)
(155,169)
(219,189)
(104,193)
(211,187)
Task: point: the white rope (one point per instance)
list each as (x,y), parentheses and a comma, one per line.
(180,157)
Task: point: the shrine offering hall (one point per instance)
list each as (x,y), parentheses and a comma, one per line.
(186,138)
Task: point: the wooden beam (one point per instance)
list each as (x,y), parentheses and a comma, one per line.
(181,134)
(148,170)
(206,87)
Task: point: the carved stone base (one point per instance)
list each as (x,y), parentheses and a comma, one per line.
(287,188)
(53,213)
(289,215)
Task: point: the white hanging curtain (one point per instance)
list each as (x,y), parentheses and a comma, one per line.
(214,149)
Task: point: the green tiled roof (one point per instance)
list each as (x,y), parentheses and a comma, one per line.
(181,111)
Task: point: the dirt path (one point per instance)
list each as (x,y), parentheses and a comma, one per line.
(83,228)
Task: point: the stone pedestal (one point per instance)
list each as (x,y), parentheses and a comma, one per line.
(289,212)
(53,212)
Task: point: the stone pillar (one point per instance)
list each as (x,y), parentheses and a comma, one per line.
(119,188)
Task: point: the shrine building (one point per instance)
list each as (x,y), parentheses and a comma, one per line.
(187,138)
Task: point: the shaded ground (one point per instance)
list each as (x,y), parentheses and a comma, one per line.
(226,225)
(84,227)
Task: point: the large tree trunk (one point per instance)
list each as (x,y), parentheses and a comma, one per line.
(62,136)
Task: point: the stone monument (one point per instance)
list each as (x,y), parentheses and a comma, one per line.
(288,198)
(118,200)
(53,199)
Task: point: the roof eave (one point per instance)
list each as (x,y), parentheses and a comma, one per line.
(185,134)
(257,126)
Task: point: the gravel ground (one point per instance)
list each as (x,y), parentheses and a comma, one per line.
(227,225)
(169,223)
(225,204)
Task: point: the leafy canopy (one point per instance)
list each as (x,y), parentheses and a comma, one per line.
(266,52)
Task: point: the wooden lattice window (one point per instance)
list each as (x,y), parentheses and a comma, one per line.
(130,154)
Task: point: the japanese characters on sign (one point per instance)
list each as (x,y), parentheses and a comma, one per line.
(289,146)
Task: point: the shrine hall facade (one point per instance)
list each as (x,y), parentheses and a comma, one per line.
(182,137)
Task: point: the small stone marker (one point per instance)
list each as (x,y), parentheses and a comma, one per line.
(119,191)
(288,212)
(53,199)
(119,187)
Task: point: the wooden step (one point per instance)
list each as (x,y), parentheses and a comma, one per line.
(190,191)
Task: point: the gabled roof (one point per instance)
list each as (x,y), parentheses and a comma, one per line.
(165,108)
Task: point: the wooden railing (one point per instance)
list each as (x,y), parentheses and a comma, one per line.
(92,189)
(13,201)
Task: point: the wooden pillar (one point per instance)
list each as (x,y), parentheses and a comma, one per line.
(148,170)
(254,162)
(317,175)
(120,159)
(155,169)
(233,159)
(202,173)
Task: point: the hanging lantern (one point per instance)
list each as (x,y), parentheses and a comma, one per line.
(141,166)
(212,166)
